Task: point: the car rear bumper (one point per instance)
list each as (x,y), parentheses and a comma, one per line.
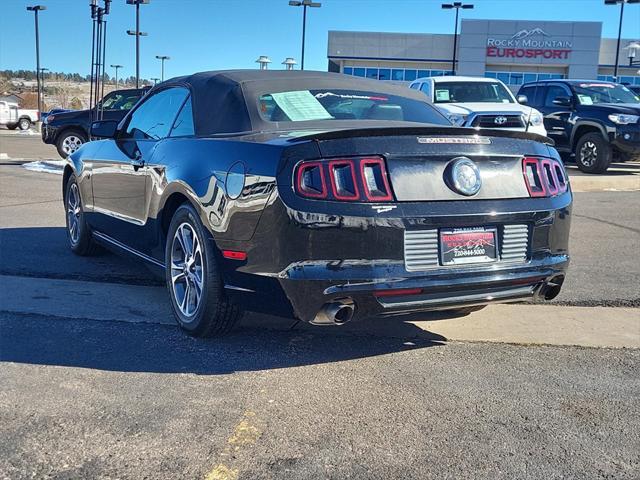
(315,261)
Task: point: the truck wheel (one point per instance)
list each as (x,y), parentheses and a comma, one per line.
(69,141)
(193,278)
(593,153)
(12,126)
(78,232)
(24,124)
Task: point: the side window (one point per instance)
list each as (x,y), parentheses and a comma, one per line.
(553,92)
(183,126)
(415,86)
(530,93)
(425,88)
(153,119)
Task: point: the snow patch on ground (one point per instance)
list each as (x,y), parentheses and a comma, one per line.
(28,132)
(46,166)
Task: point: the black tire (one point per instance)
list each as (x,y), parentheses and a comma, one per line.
(593,153)
(24,124)
(12,126)
(80,241)
(212,314)
(63,143)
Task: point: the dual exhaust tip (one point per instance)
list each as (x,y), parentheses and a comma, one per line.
(337,312)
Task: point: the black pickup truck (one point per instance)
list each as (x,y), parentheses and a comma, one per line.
(597,121)
(68,130)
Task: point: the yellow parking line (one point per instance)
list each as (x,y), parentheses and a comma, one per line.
(245,434)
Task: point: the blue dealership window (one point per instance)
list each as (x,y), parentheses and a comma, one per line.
(358,72)
(437,73)
(424,73)
(397,74)
(530,77)
(503,77)
(372,73)
(625,79)
(516,78)
(410,75)
(348,70)
(384,74)
(490,74)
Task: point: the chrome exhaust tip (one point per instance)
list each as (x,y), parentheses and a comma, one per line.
(551,289)
(337,312)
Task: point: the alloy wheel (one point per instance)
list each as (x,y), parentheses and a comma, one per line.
(187,274)
(71,143)
(74,211)
(588,154)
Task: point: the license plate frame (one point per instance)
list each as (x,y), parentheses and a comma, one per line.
(468,245)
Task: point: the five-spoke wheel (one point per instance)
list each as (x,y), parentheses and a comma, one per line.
(186,269)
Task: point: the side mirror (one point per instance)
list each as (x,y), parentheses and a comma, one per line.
(104,129)
(522,99)
(562,101)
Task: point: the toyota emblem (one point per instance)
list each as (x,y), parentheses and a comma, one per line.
(464,176)
(500,120)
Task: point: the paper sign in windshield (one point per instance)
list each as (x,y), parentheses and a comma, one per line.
(442,95)
(585,99)
(300,106)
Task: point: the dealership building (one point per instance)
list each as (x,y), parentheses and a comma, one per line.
(513,51)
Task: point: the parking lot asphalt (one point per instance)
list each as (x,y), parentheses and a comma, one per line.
(96,394)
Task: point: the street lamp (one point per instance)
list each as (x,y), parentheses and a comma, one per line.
(35,9)
(289,63)
(457,6)
(162,58)
(621,2)
(138,34)
(155,80)
(304,4)
(116,67)
(264,62)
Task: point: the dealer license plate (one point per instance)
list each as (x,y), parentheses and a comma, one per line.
(468,245)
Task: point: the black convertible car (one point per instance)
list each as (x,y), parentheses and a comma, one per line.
(318,196)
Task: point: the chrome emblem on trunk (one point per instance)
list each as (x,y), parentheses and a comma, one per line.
(464,176)
(500,120)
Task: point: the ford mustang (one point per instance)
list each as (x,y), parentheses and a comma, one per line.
(320,197)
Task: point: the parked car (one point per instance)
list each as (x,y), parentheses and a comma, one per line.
(597,121)
(318,196)
(479,102)
(69,130)
(54,111)
(12,116)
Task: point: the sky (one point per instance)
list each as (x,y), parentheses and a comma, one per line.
(218,34)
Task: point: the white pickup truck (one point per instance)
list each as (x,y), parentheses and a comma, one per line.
(12,116)
(480,102)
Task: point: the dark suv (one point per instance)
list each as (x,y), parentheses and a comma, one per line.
(68,130)
(597,121)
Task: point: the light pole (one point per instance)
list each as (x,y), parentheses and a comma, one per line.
(162,58)
(42,70)
(304,4)
(457,6)
(621,2)
(35,9)
(116,67)
(138,34)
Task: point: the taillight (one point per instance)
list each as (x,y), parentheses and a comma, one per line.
(349,180)
(544,177)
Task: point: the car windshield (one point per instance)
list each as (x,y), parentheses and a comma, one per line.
(120,101)
(594,93)
(335,105)
(471,92)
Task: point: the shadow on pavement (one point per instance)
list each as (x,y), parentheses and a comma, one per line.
(125,347)
(44,252)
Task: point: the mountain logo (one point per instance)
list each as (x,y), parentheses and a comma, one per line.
(529,33)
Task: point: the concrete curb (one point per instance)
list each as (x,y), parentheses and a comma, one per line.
(522,324)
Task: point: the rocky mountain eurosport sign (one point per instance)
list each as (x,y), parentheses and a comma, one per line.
(534,43)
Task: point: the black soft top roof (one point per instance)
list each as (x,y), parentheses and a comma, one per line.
(226,101)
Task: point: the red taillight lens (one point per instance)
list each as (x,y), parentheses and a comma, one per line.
(544,177)
(350,180)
